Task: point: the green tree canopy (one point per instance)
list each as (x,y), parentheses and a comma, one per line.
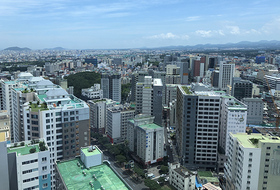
(83,80)
(120,158)
(163,170)
(153,185)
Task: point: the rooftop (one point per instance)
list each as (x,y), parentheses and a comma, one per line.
(252,140)
(93,152)
(23,150)
(74,178)
(187,90)
(150,126)
(236,105)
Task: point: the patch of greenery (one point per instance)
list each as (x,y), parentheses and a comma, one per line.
(83,80)
(254,141)
(125,91)
(187,90)
(153,185)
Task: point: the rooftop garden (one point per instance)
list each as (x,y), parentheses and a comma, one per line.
(28,90)
(37,106)
(187,90)
(254,141)
(204,174)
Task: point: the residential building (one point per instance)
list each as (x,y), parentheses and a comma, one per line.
(181,178)
(146,139)
(117,118)
(5,134)
(273,81)
(173,79)
(29,165)
(6,102)
(111,86)
(226,74)
(98,114)
(255,109)
(198,115)
(149,98)
(170,93)
(93,92)
(136,77)
(4,168)
(253,162)
(60,118)
(233,119)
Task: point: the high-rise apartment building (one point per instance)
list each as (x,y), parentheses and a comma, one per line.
(28,165)
(226,74)
(111,86)
(149,98)
(255,110)
(198,115)
(5,134)
(233,119)
(253,162)
(146,139)
(117,118)
(98,114)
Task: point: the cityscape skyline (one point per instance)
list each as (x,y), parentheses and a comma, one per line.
(135,24)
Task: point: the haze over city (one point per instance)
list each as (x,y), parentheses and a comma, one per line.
(109,24)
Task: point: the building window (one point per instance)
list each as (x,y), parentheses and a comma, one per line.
(44,159)
(45,185)
(44,168)
(45,177)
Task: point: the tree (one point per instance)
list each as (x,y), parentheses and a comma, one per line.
(161,180)
(163,170)
(125,91)
(139,172)
(121,159)
(32,150)
(152,184)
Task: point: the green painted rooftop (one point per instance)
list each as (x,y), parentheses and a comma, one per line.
(42,96)
(150,126)
(74,179)
(246,140)
(94,152)
(23,150)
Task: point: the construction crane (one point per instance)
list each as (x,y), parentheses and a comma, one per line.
(275,105)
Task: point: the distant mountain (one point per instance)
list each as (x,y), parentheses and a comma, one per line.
(18,49)
(56,48)
(263,44)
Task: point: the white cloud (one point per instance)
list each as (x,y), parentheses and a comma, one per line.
(234,29)
(168,35)
(192,18)
(204,33)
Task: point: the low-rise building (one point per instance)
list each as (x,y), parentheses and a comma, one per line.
(181,178)
(93,92)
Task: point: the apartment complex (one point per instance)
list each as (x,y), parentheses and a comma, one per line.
(241,88)
(233,119)
(255,110)
(253,162)
(198,115)
(111,86)
(98,114)
(28,165)
(117,118)
(226,74)
(149,98)
(146,139)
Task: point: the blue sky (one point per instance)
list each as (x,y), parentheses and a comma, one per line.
(99,24)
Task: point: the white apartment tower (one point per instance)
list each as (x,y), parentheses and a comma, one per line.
(253,162)
(233,119)
(117,118)
(146,139)
(226,74)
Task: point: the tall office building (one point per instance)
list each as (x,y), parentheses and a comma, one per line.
(111,86)
(253,162)
(171,93)
(198,114)
(146,139)
(255,110)
(149,98)
(117,118)
(226,74)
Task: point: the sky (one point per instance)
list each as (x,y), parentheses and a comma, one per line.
(117,24)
